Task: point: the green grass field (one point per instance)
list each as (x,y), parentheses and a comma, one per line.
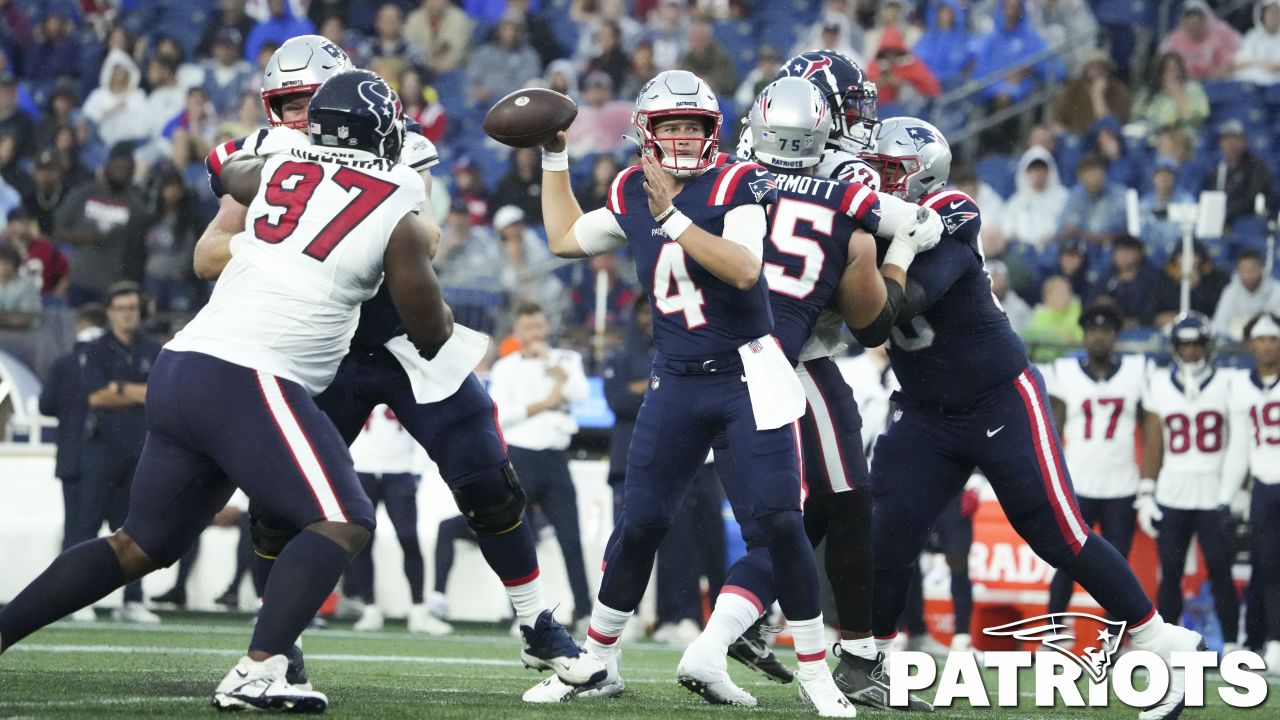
(111,671)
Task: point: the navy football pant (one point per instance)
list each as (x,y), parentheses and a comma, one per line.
(1265,515)
(399,492)
(953,537)
(923,461)
(1116,519)
(106,477)
(1217,541)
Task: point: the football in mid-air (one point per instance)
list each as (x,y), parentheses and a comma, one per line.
(529,117)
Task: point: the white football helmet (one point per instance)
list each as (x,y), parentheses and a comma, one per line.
(678,94)
(298,68)
(912,157)
(790,124)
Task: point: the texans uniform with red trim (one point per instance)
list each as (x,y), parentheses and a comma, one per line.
(971,398)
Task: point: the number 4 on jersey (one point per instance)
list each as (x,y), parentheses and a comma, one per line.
(673,290)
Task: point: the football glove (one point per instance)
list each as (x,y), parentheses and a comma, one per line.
(1149,513)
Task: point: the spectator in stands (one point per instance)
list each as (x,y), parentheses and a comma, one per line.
(1067,24)
(1258,59)
(249,116)
(503,65)
(944,46)
(591,14)
(13,119)
(522,185)
(1158,232)
(167,98)
(1011,43)
(1206,44)
(539,33)
(533,389)
(1175,147)
(192,134)
(226,74)
(1172,98)
(609,57)
(45,190)
(594,194)
(760,76)
(388,51)
(966,180)
(1108,96)
(54,50)
(114,381)
(230,15)
(117,106)
(1131,280)
(19,297)
(1023,277)
(709,60)
(833,31)
(46,266)
(1032,212)
(10,200)
(526,273)
(1207,283)
(105,220)
(189,74)
(562,76)
(1249,293)
(279,26)
(626,379)
(11,165)
(467,253)
(641,70)
(617,301)
(334,29)
(1095,207)
(1106,138)
(900,76)
(1072,264)
(602,119)
(423,105)
(1017,309)
(62,108)
(63,397)
(666,33)
(1240,174)
(1055,321)
(468,188)
(171,238)
(894,14)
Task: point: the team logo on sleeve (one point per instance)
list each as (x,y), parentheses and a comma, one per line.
(762,186)
(955,220)
(1093,655)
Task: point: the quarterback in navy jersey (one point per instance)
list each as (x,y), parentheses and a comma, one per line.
(820,263)
(442,404)
(696,230)
(971,398)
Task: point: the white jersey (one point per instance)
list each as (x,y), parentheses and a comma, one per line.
(1255,448)
(1102,418)
(1195,437)
(311,252)
(384,446)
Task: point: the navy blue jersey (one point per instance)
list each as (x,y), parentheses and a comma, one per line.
(695,314)
(807,249)
(962,347)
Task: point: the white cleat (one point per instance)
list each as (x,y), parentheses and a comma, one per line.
(261,686)
(963,643)
(677,635)
(136,613)
(371,620)
(926,644)
(819,691)
(1271,658)
(555,690)
(422,622)
(1171,639)
(705,672)
(84,615)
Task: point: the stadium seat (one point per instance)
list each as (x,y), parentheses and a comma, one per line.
(998,171)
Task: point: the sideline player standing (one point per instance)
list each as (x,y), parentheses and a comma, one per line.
(442,404)
(815,262)
(229,399)
(1254,451)
(1185,434)
(696,231)
(1095,403)
(970,398)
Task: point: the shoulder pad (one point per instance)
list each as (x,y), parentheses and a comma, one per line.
(419,153)
(617,200)
(742,183)
(861,203)
(961,218)
(214,161)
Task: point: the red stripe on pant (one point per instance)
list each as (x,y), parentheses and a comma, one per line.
(1043,456)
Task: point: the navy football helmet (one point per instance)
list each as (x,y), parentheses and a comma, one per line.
(357,110)
(852,97)
(1193,328)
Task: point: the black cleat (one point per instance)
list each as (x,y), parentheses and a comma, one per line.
(752,650)
(229,599)
(176,597)
(864,682)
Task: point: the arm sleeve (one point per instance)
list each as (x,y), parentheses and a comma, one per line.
(52,387)
(575,388)
(94,376)
(598,232)
(936,271)
(746,226)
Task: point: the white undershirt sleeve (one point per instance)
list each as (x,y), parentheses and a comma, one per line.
(746,226)
(598,232)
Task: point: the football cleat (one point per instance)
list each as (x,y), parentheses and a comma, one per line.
(135,613)
(176,597)
(705,673)
(422,622)
(84,615)
(371,620)
(1271,658)
(262,686)
(818,689)
(864,682)
(752,650)
(547,646)
(229,599)
(1171,639)
(925,643)
(677,635)
(554,690)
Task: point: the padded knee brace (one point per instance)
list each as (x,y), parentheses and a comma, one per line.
(492,505)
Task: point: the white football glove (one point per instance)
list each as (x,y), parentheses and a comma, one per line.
(1149,512)
(911,239)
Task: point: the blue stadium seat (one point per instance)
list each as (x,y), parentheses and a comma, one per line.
(998,171)
(738,37)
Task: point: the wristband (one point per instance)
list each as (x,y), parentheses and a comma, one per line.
(900,254)
(555,161)
(675,225)
(662,216)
